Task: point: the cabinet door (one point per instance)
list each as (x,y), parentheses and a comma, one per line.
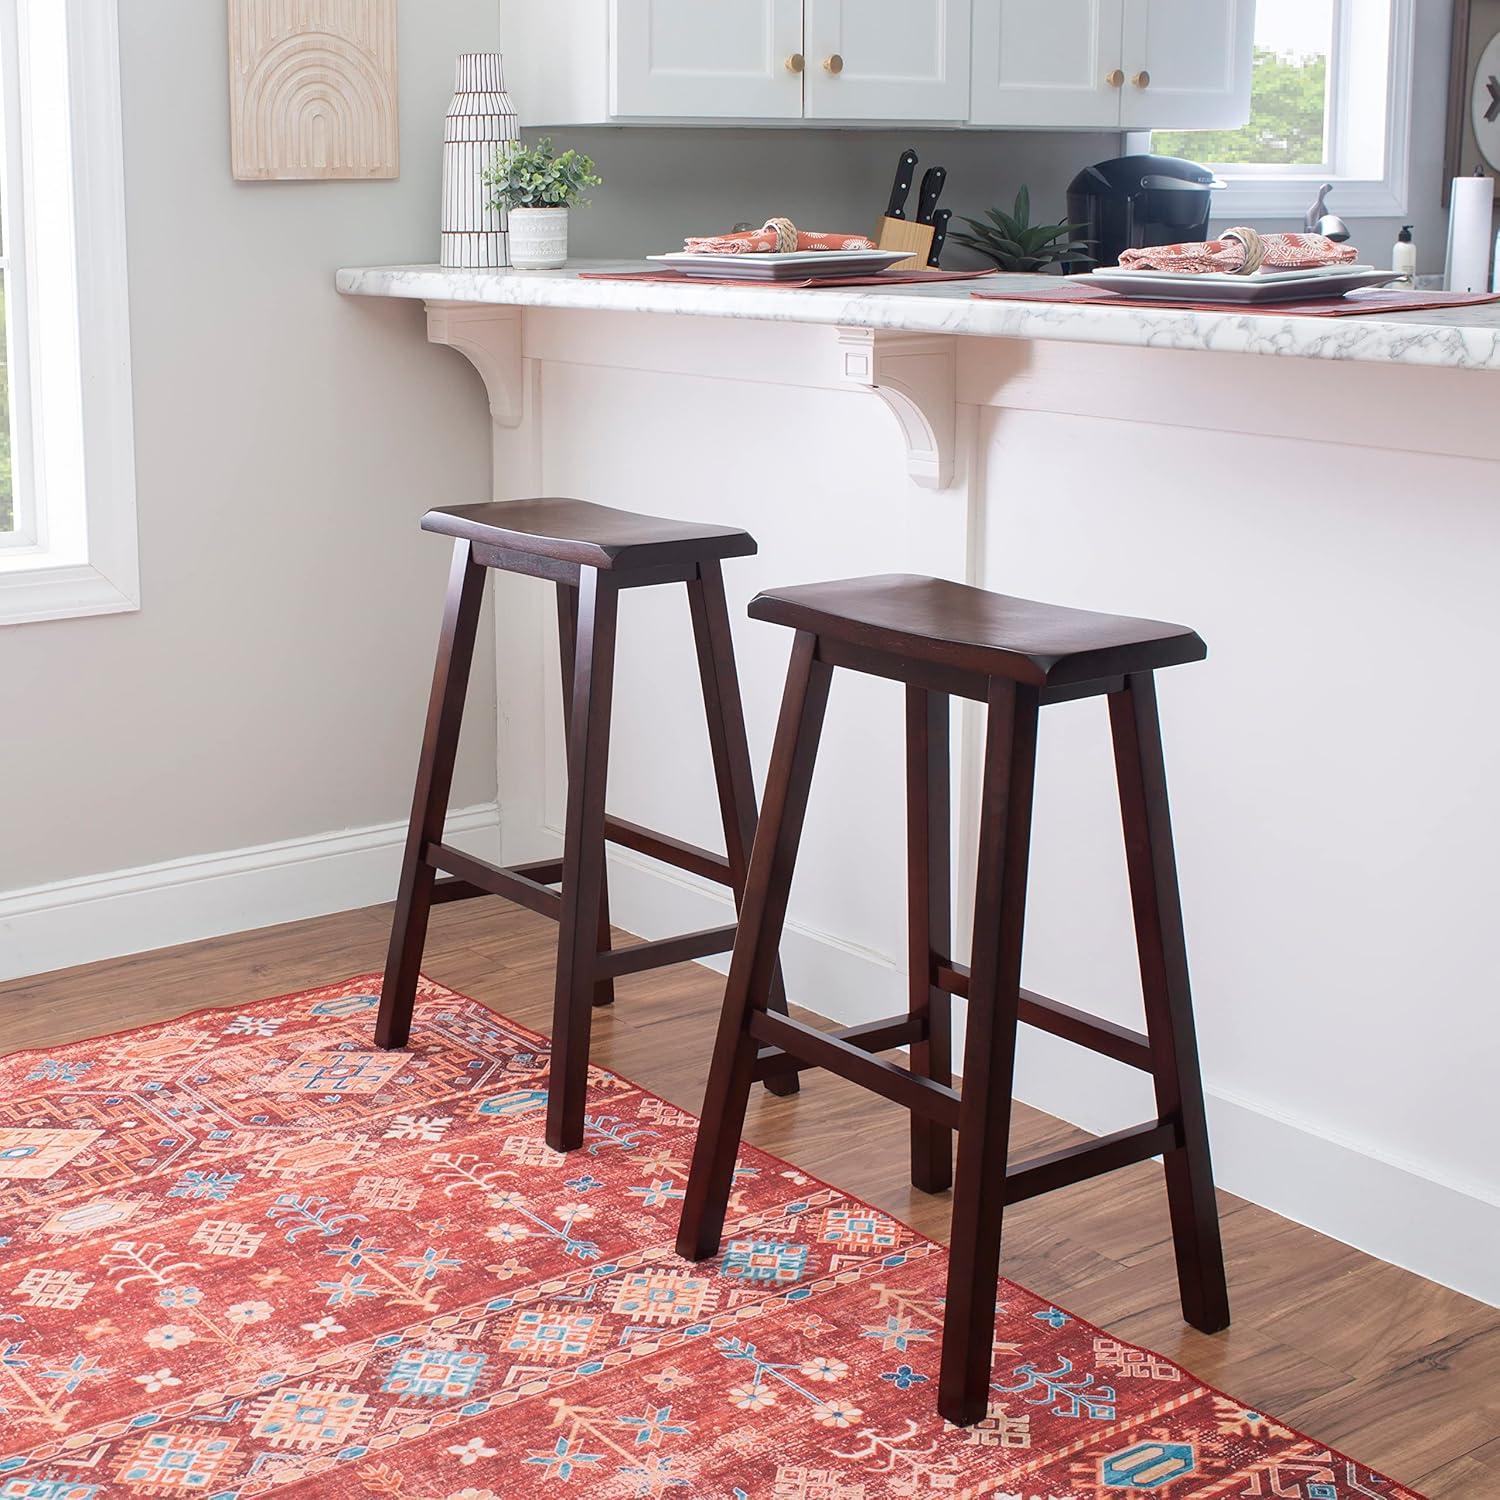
(1054,64)
(706,61)
(887,59)
(1187,64)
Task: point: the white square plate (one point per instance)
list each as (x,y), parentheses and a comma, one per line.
(785,265)
(1263,286)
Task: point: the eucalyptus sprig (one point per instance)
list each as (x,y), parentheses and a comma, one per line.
(524,176)
(1014,243)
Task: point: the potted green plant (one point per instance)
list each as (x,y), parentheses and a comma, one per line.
(535,187)
(1014,243)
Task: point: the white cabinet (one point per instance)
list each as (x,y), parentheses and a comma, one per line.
(1187,64)
(1023,64)
(583,62)
(887,59)
(1055,65)
(1112,64)
(683,58)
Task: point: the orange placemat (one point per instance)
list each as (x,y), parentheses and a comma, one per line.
(878,278)
(1355,305)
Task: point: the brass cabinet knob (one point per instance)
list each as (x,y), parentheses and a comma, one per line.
(834,64)
(794,63)
(1142,80)
(1116,80)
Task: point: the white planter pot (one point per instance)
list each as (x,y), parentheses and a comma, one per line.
(538,238)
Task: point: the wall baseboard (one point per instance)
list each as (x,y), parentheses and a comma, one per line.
(96,917)
(1386,1208)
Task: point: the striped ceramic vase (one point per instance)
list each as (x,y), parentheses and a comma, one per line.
(480,120)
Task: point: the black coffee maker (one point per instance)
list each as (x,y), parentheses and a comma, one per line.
(1134,201)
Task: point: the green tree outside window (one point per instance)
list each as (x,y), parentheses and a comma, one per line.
(1288,113)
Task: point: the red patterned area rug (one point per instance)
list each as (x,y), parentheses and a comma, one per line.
(244,1253)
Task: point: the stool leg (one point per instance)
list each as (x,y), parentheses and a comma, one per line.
(730,750)
(445,711)
(929,920)
(753,967)
(989,1053)
(583,857)
(567,649)
(1141,771)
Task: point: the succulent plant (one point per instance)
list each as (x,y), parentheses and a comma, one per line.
(1014,243)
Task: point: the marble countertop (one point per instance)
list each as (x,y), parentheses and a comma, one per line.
(1457,338)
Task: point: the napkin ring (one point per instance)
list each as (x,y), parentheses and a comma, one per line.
(1253,246)
(785,232)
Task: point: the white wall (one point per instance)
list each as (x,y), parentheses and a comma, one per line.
(272,685)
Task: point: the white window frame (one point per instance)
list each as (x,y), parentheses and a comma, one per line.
(74,446)
(1374,188)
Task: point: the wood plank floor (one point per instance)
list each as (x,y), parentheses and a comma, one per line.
(1395,1370)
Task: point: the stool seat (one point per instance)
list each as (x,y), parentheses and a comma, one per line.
(592,536)
(994,635)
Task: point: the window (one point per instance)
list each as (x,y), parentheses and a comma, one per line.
(67,465)
(13,529)
(1330,102)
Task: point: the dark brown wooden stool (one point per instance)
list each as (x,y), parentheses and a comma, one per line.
(591,552)
(1013,655)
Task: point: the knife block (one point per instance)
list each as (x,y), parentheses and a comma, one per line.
(905,234)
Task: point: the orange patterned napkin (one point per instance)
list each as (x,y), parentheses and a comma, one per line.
(777,234)
(1282,252)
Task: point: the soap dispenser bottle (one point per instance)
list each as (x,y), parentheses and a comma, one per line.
(1404,257)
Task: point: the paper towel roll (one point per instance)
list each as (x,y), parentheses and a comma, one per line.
(1471,233)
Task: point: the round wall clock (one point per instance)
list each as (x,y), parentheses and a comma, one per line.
(1485,103)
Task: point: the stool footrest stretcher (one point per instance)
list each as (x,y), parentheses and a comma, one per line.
(529,885)
(486,879)
(822,1049)
(1119,1042)
(1044,1174)
(670,851)
(660,952)
(872,1036)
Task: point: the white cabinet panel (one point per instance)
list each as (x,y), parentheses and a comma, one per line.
(887,59)
(706,61)
(1054,64)
(1187,64)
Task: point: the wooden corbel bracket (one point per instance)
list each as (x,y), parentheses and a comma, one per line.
(915,374)
(489,337)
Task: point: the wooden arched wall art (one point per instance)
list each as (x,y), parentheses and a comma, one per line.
(313,89)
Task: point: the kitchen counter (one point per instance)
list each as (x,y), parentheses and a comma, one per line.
(1326,519)
(1461,338)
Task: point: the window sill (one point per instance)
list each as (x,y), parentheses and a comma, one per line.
(1252,198)
(32,589)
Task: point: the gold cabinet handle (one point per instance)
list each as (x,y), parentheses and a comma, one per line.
(1142,80)
(795,63)
(1116,80)
(834,64)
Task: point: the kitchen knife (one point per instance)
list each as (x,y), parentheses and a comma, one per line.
(932,190)
(939,234)
(906,170)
